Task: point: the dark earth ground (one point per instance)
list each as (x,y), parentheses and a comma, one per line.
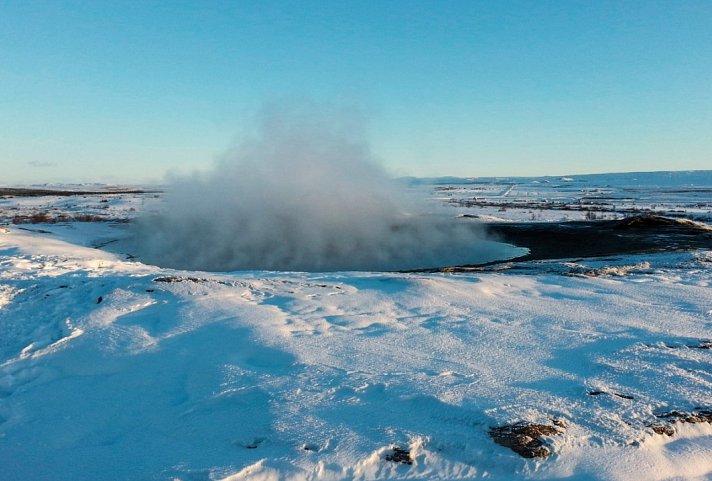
(586,239)
(638,234)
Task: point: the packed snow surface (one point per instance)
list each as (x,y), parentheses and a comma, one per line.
(112,369)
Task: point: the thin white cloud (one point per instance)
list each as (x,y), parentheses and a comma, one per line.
(42,164)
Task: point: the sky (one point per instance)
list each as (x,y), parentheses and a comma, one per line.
(125,91)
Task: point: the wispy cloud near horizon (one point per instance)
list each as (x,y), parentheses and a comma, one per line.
(41,164)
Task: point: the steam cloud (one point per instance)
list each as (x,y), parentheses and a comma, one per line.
(304,194)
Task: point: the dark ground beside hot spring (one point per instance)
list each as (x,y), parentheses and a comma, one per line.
(568,240)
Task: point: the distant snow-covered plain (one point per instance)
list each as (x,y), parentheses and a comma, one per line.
(113,369)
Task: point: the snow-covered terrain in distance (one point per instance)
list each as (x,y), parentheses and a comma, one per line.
(595,196)
(113,369)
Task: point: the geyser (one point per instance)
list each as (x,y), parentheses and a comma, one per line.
(303,194)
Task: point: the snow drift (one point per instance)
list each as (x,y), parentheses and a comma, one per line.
(304,194)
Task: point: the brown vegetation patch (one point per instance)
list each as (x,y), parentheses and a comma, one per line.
(47,218)
(28,192)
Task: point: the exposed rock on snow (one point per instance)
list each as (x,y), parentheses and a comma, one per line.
(622,396)
(180,279)
(525,439)
(699,415)
(399,455)
(670,418)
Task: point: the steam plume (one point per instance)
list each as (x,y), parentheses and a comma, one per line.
(304,194)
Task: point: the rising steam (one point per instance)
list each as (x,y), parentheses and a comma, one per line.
(304,194)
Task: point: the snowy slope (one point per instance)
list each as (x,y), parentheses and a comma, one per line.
(114,370)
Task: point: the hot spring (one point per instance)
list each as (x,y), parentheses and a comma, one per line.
(304,193)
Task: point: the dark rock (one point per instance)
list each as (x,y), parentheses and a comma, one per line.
(696,416)
(524,438)
(99,299)
(399,455)
(598,393)
(197,280)
(702,344)
(171,279)
(663,429)
(559,422)
(622,396)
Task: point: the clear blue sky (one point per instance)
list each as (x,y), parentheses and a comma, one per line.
(125,90)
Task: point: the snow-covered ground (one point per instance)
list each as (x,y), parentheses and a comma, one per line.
(111,369)
(597,196)
(116,207)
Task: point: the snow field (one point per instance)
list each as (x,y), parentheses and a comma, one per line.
(107,373)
